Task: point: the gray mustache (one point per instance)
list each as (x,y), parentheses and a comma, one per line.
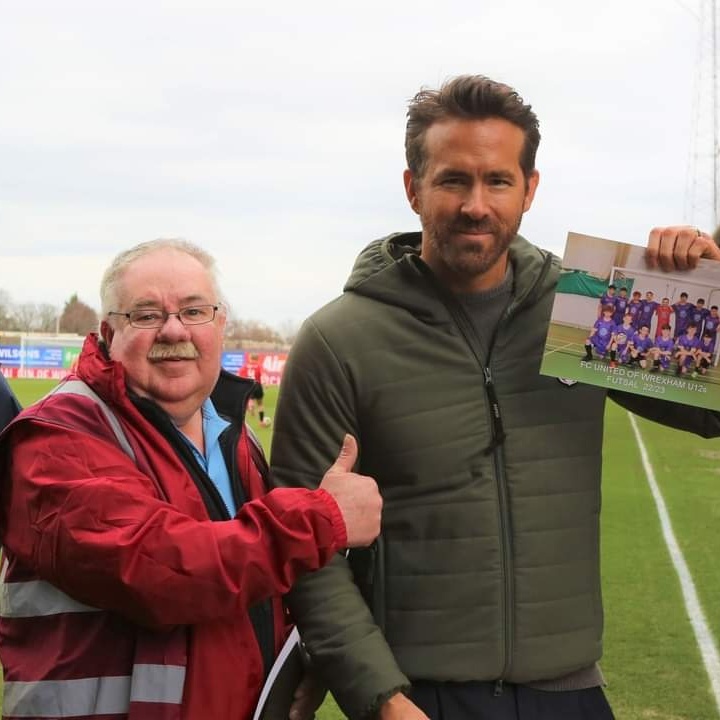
(174,351)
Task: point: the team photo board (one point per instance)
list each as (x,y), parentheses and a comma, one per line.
(621,325)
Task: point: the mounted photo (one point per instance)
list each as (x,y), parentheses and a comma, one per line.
(618,324)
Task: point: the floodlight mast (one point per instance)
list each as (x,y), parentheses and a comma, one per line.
(716,148)
(702,199)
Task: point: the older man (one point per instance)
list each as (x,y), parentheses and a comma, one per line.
(144,561)
(481,598)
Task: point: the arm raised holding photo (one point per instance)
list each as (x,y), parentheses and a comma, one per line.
(676,248)
(679,247)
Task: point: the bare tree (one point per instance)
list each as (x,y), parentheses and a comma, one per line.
(288,330)
(253,330)
(5,310)
(231,325)
(25,317)
(47,318)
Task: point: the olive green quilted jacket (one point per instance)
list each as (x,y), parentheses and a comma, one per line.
(488,565)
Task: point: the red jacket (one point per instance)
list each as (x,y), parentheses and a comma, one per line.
(117,585)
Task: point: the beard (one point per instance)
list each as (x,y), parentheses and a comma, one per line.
(464,258)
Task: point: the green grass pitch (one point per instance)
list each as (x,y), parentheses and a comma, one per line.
(652,663)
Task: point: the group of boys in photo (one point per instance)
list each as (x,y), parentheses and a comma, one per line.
(622,334)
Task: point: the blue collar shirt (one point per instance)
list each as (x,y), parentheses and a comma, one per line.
(213,461)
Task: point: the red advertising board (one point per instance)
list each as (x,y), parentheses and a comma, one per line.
(37,373)
(271,365)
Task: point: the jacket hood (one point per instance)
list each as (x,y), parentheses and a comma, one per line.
(390,270)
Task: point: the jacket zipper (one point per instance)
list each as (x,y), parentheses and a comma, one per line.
(504,517)
(496,446)
(498,450)
(261,613)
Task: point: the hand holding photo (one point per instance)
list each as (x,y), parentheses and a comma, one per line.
(621,322)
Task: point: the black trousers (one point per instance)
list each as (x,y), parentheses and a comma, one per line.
(483,701)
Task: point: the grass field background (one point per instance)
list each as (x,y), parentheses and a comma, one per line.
(652,662)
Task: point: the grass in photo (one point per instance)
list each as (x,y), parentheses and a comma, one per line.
(617,324)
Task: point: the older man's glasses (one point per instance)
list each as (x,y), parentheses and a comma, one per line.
(153,318)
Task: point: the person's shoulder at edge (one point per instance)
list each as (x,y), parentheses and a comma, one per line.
(9,405)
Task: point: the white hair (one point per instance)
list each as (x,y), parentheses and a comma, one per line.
(113,275)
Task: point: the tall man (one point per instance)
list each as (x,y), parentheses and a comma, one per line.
(481,597)
(144,563)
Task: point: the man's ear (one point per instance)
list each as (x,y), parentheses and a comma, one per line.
(106,333)
(410,191)
(530,188)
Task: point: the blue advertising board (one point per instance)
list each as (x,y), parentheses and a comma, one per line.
(31,356)
(233,360)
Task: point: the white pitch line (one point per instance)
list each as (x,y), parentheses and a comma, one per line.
(703,634)
(559,348)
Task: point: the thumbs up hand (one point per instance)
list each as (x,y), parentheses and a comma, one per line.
(357,496)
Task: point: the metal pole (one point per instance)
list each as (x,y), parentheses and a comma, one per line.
(716,148)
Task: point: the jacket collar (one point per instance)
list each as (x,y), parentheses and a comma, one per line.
(107,378)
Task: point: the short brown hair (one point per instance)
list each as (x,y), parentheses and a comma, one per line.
(470,97)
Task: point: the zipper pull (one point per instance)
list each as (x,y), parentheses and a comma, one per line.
(498,688)
(370,572)
(498,432)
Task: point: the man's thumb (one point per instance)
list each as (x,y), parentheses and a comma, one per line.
(347,456)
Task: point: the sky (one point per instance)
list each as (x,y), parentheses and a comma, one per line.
(272,134)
